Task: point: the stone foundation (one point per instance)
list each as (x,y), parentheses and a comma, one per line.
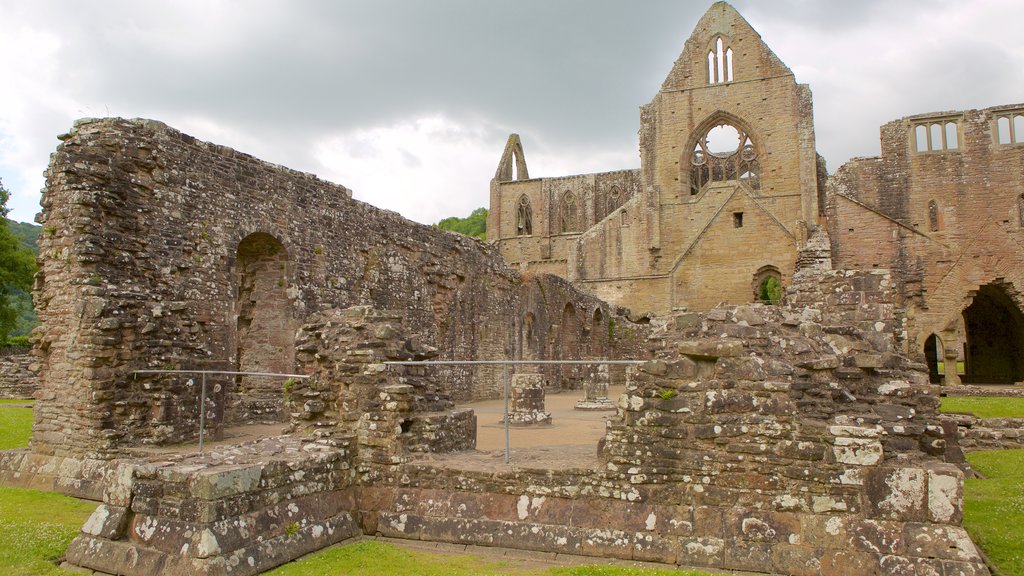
(988,433)
(239,510)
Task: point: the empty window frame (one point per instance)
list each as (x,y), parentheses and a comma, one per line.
(936,135)
(724,153)
(1010,127)
(719,61)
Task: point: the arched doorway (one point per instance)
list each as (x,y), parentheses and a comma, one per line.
(568,346)
(932,355)
(767,285)
(266,329)
(994,327)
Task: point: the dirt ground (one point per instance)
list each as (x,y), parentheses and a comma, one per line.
(570,441)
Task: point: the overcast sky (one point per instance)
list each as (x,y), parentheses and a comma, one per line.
(409,102)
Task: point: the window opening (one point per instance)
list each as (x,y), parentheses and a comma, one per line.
(720,62)
(737,219)
(936,135)
(951,136)
(524,217)
(723,153)
(1010,128)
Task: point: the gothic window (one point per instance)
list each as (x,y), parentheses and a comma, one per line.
(524,217)
(936,135)
(724,153)
(719,62)
(933,216)
(567,217)
(1010,127)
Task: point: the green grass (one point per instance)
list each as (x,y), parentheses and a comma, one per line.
(959,367)
(984,406)
(16,401)
(15,427)
(372,558)
(994,507)
(37,527)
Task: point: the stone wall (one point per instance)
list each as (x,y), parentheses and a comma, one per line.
(160,251)
(755,442)
(672,243)
(988,433)
(16,377)
(945,215)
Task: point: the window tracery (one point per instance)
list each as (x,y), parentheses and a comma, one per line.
(714,161)
(524,217)
(567,216)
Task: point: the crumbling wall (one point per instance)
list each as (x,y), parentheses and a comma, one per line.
(944,213)
(160,251)
(761,438)
(16,377)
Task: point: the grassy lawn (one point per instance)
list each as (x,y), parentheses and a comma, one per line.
(15,427)
(994,507)
(984,406)
(37,528)
(7,401)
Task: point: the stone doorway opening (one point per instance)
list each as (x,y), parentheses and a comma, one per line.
(265,331)
(994,327)
(933,354)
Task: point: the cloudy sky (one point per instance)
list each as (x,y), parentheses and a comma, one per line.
(409,102)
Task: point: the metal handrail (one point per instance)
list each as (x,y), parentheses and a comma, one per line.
(507,378)
(202,393)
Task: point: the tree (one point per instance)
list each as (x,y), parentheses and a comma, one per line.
(474,225)
(17,267)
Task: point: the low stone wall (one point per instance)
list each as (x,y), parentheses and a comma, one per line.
(16,379)
(988,433)
(239,510)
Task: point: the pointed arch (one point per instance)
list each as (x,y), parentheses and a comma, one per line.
(524,217)
(567,213)
(512,165)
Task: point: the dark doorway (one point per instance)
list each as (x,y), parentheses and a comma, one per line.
(995,338)
(932,355)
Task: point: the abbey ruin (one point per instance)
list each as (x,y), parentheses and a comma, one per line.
(797,435)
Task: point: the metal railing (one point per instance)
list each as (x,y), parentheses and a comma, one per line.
(507,378)
(202,393)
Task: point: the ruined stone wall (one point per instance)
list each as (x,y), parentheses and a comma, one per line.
(163,252)
(595,197)
(761,439)
(946,219)
(16,378)
(671,245)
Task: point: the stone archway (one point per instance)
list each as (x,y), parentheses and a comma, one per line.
(933,353)
(994,330)
(265,329)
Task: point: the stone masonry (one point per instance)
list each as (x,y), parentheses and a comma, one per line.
(798,437)
(17,380)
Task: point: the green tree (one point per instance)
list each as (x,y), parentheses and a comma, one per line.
(474,225)
(17,266)
(770,291)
